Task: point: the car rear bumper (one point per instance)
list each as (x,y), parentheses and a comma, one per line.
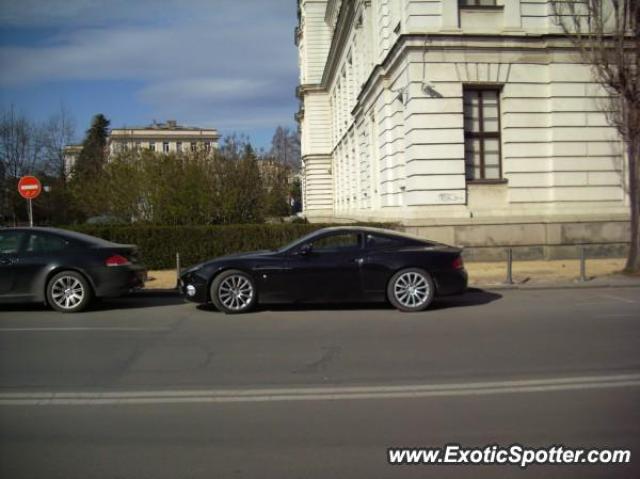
(116,281)
(451,282)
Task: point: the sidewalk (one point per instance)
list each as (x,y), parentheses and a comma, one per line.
(526,274)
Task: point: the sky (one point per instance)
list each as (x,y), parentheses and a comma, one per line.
(225,64)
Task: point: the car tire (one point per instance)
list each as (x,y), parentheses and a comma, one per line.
(411,290)
(69,292)
(234,292)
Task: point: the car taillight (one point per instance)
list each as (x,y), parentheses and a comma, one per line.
(457,263)
(116,260)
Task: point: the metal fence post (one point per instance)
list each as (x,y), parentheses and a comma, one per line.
(177,268)
(583,265)
(509,266)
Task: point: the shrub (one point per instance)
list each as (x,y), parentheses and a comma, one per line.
(158,245)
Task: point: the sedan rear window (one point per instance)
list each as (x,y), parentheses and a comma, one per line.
(45,243)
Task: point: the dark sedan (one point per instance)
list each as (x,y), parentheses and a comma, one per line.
(64,269)
(339,264)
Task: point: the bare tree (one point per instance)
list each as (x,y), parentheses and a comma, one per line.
(607,36)
(20,144)
(58,132)
(285,147)
(20,150)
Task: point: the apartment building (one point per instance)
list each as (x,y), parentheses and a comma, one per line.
(168,137)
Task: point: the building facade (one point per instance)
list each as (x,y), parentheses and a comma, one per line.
(168,137)
(71,154)
(471,122)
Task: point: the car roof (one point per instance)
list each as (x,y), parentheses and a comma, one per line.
(74,235)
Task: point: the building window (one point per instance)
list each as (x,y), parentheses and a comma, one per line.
(138,145)
(179,147)
(165,147)
(207,146)
(193,146)
(482,133)
(477,3)
(152,146)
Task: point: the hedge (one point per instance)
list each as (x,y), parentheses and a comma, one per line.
(158,245)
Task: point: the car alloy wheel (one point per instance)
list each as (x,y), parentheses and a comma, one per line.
(233,292)
(68,292)
(411,290)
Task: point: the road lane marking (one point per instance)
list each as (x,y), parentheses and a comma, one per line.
(67,329)
(618,298)
(83,398)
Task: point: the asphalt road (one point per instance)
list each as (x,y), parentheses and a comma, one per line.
(150,387)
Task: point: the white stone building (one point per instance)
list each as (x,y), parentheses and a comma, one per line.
(169,137)
(469,121)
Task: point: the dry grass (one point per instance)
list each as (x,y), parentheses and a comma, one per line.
(162,279)
(542,271)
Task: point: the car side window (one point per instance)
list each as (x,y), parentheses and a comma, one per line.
(10,242)
(45,243)
(336,243)
(378,241)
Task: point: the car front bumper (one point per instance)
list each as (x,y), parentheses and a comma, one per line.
(194,287)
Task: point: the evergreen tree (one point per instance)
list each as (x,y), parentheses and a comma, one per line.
(93,156)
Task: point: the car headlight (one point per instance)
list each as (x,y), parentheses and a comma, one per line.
(192,270)
(190,290)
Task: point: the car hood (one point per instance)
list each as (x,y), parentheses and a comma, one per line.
(230,257)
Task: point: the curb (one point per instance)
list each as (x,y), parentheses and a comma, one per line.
(484,287)
(156,292)
(546,286)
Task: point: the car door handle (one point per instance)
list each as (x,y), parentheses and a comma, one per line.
(359,261)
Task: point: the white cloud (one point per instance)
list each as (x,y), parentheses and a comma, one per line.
(202,89)
(148,53)
(225,63)
(74,13)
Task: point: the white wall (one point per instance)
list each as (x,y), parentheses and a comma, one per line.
(396,149)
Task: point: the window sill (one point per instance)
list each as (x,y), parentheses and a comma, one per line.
(491,8)
(502,181)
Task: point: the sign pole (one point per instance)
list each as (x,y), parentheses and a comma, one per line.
(30,213)
(29,188)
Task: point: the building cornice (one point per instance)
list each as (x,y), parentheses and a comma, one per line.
(302,90)
(458,41)
(163,134)
(332,12)
(344,24)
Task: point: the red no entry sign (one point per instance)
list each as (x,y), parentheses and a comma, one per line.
(29,187)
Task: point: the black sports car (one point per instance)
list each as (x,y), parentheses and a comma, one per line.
(338,264)
(64,269)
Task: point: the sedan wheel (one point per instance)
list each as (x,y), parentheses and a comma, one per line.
(233,291)
(411,290)
(68,292)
